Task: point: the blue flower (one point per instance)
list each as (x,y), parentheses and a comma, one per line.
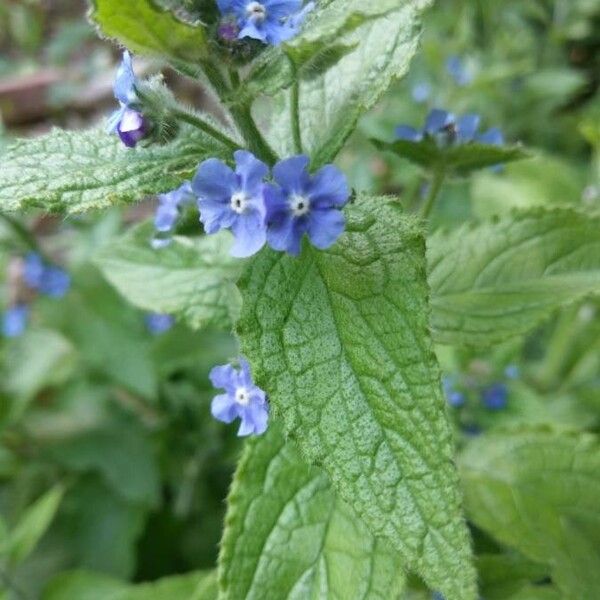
(512,371)
(46,279)
(168,210)
(453,396)
(421,92)
(446,129)
(127,122)
(158,323)
(270,21)
(228,199)
(14,320)
(495,397)
(302,203)
(241,399)
(459,71)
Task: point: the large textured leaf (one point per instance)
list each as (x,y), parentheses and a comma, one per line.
(145,28)
(191,278)
(340,341)
(288,537)
(330,104)
(497,280)
(78,171)
(538,492)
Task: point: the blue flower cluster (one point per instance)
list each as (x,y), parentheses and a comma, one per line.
(242,399)
(278,213)
(37,276)
(445,128)
(269,21)
(127,122)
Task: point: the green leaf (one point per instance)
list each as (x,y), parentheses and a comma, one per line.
(33,524)
(339,340)
(77,171)
(288,536)
(88,585)
(538,492)
(145,28)
(461,159)
(379,52)
(191,278)
(500,279)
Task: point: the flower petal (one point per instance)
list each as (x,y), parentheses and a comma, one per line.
(408,133)
(292,174)
(492,136)
(125,81)
(251,171)
(328,188)
(279,9)
(438,119)
(466,127)
(224,408)
(250,234)
(214,180)
(325,227)
(215,215)
(224,377)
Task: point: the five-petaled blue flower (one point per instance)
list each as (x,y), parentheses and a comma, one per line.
(14,320)
(445,128)
(127,122)
(241,399)
(234,199)
(270,21)
(168,210)
(302,203)
(46,279)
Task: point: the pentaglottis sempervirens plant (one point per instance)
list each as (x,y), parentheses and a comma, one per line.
(351,485)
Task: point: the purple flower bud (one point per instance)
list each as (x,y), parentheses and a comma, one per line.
(242,399)
(228,30)
(132,127)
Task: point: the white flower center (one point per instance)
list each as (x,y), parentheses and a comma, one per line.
(299,205)
(239,202)
(241,396)
(256,11)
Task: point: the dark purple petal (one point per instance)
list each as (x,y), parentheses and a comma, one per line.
(408,133)
(466,127)
(132,127)
(214,180)
(250,170)
(292,175)
(324,227)
(250,234)
(224,408)
(437,120)
(328,188)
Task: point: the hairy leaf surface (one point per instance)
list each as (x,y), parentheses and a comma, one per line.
(330,104)
(340,341)
(497,280)
(288,537)
(73,172)
(193,278)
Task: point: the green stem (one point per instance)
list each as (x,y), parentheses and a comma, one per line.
(195,121)
(241,115)
(295,116)
(434,190)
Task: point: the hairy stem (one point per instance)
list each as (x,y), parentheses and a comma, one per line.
(195,121)
(295,116)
